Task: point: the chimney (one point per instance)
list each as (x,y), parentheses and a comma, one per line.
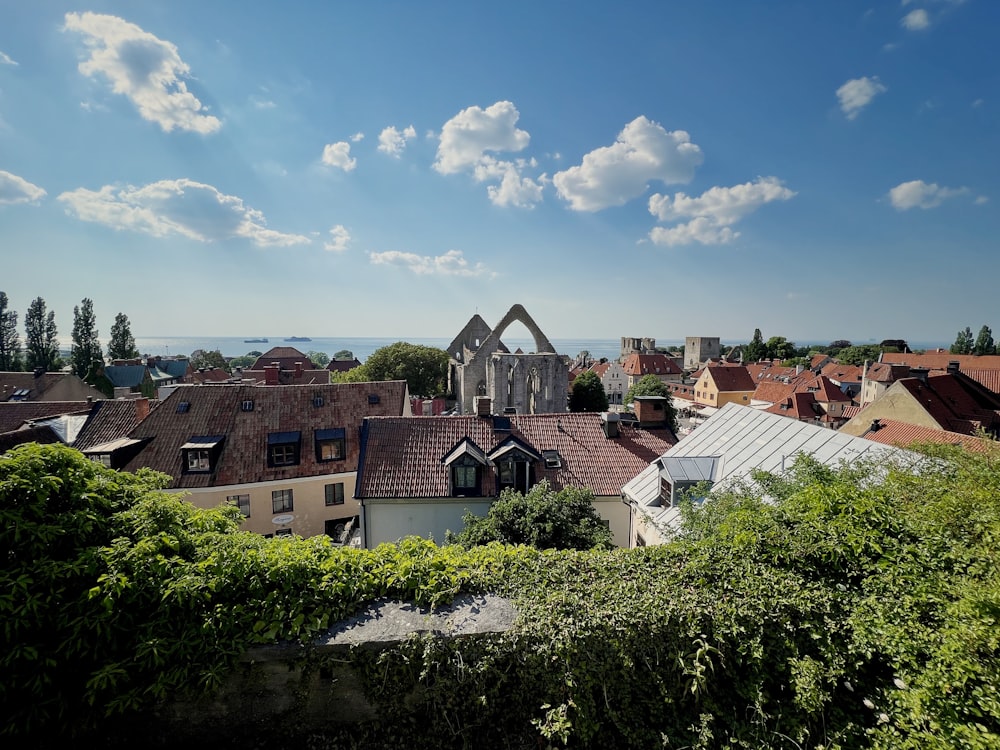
(39,371)
(141,408)
(484,406)
(298,369)
(610,423)
(799,369)
(875,426)
(650,411)
(271,375)
(953,367)
(920,373)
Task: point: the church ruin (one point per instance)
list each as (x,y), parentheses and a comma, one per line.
(481,365)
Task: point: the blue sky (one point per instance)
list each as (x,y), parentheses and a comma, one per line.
(667,169)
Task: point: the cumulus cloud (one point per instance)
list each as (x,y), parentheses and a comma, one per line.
(339,155)
(856,94)
(5,59)
(339,239)
(916,20)
(613,175)
(392,141)
(515,190)
(452,263)
(14,189)
(920,194)
(711,215)
(467,136)
(357,137)
(190,209)
(145,69)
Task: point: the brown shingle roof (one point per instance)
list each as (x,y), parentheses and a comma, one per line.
(403,455)
(13,414)
(27,381)
(286,356)
(110,420)
(218,410)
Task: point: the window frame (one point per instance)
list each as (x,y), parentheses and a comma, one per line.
(287,499)
(333,494)
(240,501)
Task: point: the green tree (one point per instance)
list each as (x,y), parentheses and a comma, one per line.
(963,342)
(984,342)
(122,343)
(778,347)
(856,355)
(542,518)
(244,360)
(756,350)
(357,374)
(651,385)
(200,359)
(344,354)
(86,346)
(10,341)
(424,368)
(319,359)
(587,393)
(40,342)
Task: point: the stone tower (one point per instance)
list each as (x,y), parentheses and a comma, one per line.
(699,348)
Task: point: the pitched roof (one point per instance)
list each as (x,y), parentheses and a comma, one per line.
(955,401)
(13,414)
(285,356)
(126,376)
(403,455)
(839,373)
(892,432)
(636,364)
(940,360)
(728,379)
(26,386)
(219,410)
(797,406)
(342,365)
(110,420)
(882,372)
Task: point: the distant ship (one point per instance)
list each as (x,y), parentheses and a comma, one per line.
(254,341)
(298,338)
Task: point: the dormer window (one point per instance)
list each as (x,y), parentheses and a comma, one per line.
(200,454)
(552,459)
(466,464)
(331,444)
(283,448)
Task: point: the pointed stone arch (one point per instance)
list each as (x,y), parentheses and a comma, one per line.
(519,314)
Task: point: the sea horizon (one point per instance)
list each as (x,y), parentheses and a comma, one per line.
(363,346)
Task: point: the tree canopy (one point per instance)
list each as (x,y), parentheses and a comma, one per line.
(756,350)
(424,368)
(40,343)
(201,359)
(121,345)
(10,341)
(587,393)
(344,354)
(542,518)
(319,359)
(856,355)
(86,346)
(984,342)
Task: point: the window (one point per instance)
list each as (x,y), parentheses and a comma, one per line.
(330,444)
(246,405)
(283,532)
(465,477)
(373,398)
(283,448)
(281,501)
(183,406)
(334,493)
(242,502)
(552,460)
(317,401)
(104,459)
(198,460)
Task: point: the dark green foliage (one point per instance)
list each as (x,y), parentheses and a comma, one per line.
(984,342)
(121,345)
(10,341)
(319,359)
(856,355)
(756,350)
(778,347)
(201,359)
(424,368)
(542,518)
(86,346)
(344,354)
(587,393)
(41,346)
(963,342)
(835,608)
(651,385)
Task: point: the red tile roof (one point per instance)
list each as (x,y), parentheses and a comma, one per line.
(403,455)
(286,356)
(343,365)
(956,402)
(940,360)
(218,410)
(636,364)
(891,432)
(729,379)
(881,372)
(842,373)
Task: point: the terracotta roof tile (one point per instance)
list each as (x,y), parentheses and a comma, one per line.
(636,364)
(403,455)
(891,432)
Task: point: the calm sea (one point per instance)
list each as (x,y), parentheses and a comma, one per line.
(361,347)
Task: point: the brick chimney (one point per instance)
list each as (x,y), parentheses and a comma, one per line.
(650,411)
(298,369)
(141,408)
(484,406)
(271,374)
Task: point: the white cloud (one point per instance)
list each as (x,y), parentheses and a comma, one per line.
(339,238)
(259,103)
(712,213)
(392,141)
(982,200)
(5,59)
(857,93)
(920,194)
(143,68)
(190,209)
(515,190)
(452,263)
(467,136)
(14,189)
(916,20)
(339,155)
(357,137)
(614,175)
